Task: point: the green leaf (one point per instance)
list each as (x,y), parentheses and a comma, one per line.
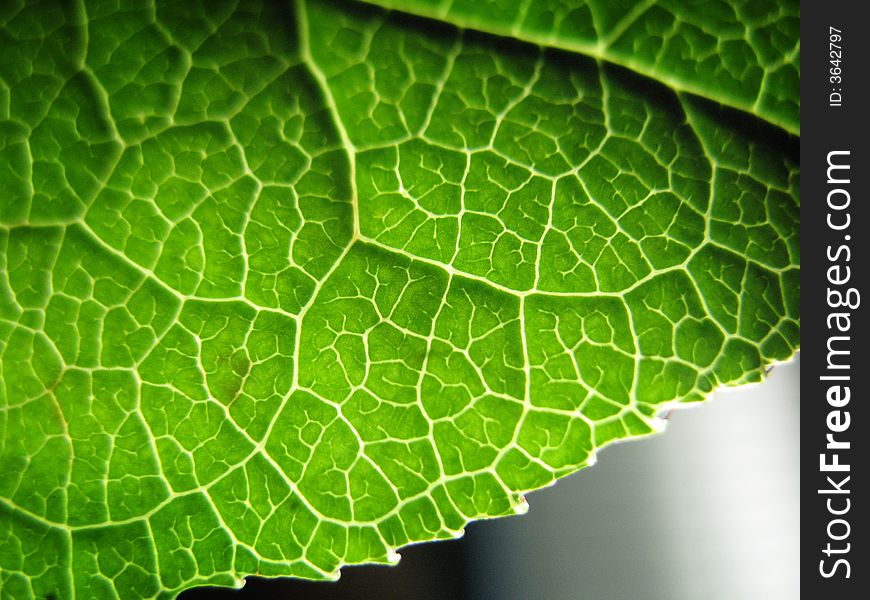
(741,54)
(284,287)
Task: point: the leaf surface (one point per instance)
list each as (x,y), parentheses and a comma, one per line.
(740,54)
(286,287)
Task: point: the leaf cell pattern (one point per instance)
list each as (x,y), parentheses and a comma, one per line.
(286,287)
(740,53)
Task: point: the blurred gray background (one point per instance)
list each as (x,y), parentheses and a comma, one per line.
(708,510)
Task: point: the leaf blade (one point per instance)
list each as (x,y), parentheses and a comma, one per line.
(740,56)
(233,369)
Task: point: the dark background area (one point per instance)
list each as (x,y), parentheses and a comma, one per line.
(426,572)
